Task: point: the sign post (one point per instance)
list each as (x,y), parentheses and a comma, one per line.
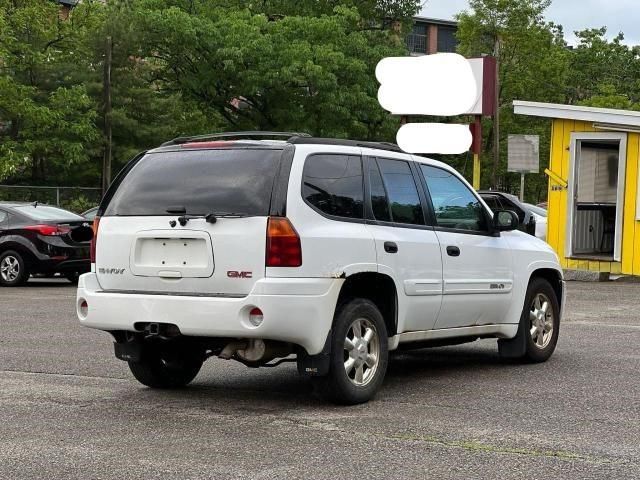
(523,157)
(485,72)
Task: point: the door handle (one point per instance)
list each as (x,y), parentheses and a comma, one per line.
(453,251)
(390,247)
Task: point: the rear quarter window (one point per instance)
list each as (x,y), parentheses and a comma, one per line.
(334,185)
(201,181)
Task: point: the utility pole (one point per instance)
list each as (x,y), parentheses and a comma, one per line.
(106,161)
(496,117)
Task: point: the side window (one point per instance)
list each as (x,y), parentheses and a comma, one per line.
(404,200)
(379,200)
(453,203)
(334,184)
(4,219)
(493,202)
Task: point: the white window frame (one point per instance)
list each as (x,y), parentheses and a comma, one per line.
(571,187)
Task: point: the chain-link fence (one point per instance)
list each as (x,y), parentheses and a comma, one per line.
(76,199)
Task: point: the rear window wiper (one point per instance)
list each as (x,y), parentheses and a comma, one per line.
(209,217)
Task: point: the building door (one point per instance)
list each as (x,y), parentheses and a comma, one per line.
(596,195)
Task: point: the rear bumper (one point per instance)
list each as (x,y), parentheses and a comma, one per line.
(297,310)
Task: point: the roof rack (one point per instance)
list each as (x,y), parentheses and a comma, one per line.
(236,135)
(301,140)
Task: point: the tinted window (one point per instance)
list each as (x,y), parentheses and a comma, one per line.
(44,212)
(204,181)
(379,200)
(402,192)
(333,184)
(493,202)
(453,203)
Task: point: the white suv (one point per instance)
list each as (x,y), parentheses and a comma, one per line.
(326,252)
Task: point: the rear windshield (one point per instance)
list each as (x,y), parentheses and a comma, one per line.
(201,181)
(44,212)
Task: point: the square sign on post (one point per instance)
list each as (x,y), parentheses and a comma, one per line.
(523,156)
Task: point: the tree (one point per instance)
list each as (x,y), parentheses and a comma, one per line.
(532,58)
(310,68)
(604,73)
(45,122)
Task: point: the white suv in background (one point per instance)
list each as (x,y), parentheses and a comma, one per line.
(326,252)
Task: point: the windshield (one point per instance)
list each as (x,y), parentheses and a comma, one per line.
(44,212)
(201,181)
(537,210)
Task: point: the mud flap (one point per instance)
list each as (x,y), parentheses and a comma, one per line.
(515,347)
(128,351)
(315,365)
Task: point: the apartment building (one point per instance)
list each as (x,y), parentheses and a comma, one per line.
(431,35)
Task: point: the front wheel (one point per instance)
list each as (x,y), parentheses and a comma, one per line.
(163,368)
(359,354)
(539,325)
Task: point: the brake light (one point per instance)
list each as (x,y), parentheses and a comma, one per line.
(213,144)
(92,248)
(283,244)
(49,230)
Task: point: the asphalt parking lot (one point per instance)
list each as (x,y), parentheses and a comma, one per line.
(69,409)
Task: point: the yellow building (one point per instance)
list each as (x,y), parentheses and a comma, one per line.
(594,187)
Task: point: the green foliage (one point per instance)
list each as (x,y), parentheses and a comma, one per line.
(602,72)
(312,73)
(533,65)
(183,67)
(46,122)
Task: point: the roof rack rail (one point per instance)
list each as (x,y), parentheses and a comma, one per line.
(392,147)
(256,134)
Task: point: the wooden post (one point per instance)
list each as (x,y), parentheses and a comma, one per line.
(106,161)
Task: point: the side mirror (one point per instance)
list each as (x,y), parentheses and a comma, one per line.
(505,220)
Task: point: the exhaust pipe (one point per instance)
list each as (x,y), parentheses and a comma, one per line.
(254,352)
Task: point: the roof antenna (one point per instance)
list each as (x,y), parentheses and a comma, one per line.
(35,204)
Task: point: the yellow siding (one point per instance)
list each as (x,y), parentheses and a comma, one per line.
(630,229)
(558,203)
(554,220)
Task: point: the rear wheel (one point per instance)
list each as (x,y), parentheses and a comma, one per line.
(359,354)
(13,269)
(165,368)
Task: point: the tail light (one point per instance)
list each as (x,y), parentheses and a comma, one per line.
(283,244)
(94,239)
(49,230)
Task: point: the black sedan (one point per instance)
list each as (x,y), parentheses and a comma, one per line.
(505,201)
(41,239)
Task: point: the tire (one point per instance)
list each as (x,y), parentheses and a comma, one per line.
(166,369)
(13,269)
(539,326)
(362,381)
(72,277)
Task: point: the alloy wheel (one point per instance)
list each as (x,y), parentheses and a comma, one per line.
(361,352)
(541,320)
(9,268)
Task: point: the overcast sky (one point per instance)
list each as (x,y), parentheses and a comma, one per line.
(616,15)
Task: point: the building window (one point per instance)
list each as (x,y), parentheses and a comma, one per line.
(447,41)
(417,39)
